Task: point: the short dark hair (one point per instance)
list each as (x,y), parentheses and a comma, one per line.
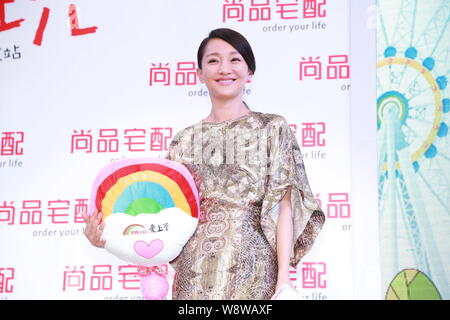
(235,39)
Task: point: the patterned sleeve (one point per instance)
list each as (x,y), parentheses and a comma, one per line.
(174,150)
(286,168)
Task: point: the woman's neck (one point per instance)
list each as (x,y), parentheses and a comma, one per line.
(227,110)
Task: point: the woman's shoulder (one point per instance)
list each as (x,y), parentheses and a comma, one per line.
(271,119)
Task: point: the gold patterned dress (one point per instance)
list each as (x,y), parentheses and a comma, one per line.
(242,169)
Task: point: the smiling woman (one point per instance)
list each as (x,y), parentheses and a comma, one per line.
(256,217)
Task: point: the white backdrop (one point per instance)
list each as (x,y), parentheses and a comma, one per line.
(70,104)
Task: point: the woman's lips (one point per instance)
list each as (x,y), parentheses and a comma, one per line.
(225,82)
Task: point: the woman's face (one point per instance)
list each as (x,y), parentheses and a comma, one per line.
(224,70)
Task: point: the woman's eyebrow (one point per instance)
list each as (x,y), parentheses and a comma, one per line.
(217,54)
(211,54)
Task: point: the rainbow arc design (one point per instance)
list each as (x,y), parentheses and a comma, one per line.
(144,186)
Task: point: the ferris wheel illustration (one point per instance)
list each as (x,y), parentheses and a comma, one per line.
(413,103)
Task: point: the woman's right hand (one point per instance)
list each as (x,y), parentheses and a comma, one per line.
(94,229)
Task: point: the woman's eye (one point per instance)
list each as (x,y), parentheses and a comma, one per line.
(212,61)
(235,59)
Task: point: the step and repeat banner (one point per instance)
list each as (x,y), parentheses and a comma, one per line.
(84,83)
